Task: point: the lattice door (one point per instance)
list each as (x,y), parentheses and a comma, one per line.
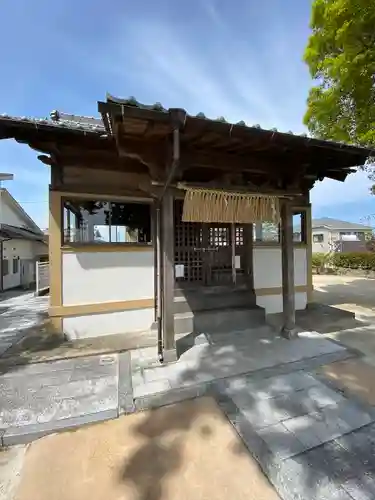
(240,252)
(205,250)
(189,247)
(219,254)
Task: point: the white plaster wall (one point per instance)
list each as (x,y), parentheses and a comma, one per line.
(90,278)
(23,251)
(274,303)
(9,215)
(18,248)
(325,246)
(267,267)
(39,248)
(96,325)
(267,274)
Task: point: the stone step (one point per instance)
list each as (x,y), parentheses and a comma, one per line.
(217,298)
(218,320)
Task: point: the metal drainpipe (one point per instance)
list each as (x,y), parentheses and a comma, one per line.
(175,162)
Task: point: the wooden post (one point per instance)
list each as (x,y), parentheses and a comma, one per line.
(55,256)
(287,265)
(169,345)
(308,230)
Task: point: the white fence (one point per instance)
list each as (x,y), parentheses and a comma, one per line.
(42,277)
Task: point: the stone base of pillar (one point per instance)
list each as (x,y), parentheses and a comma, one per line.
(169,356)
(289,333)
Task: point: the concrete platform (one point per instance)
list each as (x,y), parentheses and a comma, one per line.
(208,357)
(42,398)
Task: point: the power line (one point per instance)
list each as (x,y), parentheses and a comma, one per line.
(24,202)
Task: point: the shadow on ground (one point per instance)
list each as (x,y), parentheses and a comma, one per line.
(342,464)
(319,470)
(358,292)
(317,473)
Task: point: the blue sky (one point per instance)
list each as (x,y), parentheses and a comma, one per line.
(241,59)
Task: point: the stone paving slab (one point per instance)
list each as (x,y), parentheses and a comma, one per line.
(217,356)
(308,456)
(125,386)
(38,399)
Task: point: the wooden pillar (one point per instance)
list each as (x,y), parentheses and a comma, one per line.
(309,280)
(287,265)
(55,256)
(169,344)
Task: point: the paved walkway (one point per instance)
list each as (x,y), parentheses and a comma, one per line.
(356,295)
(312,442)
(19,313)
(44,397)
(348,292)
(311,439)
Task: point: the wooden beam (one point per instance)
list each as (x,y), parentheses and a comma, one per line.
(255,190)
(57,176)
(225,161)
(287,266)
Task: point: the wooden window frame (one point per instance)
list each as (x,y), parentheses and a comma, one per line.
(109,199)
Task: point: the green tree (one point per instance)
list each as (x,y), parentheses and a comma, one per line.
(341,57)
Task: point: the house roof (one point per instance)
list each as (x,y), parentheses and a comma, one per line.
(14,203)
(56,121)
(330,223)
(12,232)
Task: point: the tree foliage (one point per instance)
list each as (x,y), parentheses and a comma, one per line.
(341,57)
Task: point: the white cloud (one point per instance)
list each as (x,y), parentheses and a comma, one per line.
(329,192)
(226,76)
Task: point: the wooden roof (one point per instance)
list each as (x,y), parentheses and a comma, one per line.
(130,136)
(231,143)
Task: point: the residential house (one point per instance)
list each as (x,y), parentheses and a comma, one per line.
(152,214)
(22,244)
(333,235)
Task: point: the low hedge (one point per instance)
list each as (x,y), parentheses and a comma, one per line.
(354,260)
(318,259)
(347,260)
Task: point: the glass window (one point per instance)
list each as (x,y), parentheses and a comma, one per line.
(90,221)
(299,226)
(270,232)
(266,232)
(15,266)
(318,238)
